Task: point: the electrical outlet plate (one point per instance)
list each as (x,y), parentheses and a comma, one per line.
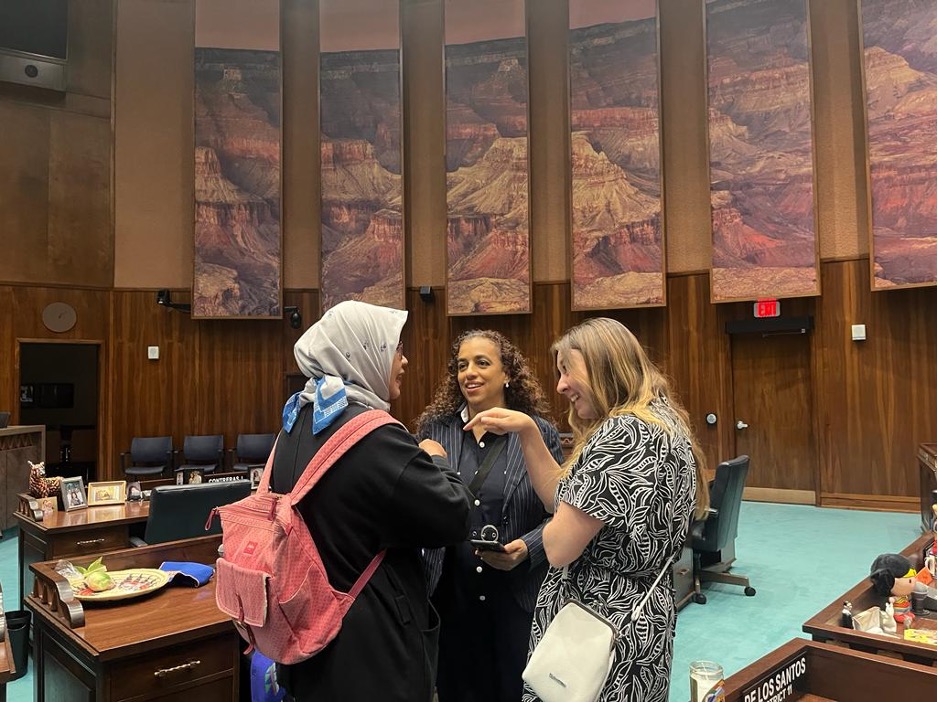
(858,332)
(153,352)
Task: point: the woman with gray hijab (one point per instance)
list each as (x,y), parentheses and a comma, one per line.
(386,492)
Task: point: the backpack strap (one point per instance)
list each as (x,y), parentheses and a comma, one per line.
(335,447)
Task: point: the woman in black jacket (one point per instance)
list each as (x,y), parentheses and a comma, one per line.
(386,492)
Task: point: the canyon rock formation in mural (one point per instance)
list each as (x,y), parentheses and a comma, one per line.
(489,269)
(237,266)
(617,235)
(362,221)
(761,163)
(899,45)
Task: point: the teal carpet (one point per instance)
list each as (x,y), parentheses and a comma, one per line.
(798,558)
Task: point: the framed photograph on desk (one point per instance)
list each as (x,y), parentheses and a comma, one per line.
(256,473)
(73,493)
(110,493)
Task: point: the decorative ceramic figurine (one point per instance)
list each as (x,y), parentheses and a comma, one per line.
(888,619)
(39,484)
(846,615)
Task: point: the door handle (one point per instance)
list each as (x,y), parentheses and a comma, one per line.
(740,424)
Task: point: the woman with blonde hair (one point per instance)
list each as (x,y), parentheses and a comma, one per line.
(622,502)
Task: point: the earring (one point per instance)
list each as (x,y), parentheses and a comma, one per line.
(506,386)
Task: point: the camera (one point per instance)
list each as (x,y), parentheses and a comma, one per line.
(489,533)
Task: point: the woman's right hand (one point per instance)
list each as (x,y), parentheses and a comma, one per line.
(434,448)
(501,421)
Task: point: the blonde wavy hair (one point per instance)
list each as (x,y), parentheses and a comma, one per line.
(623,380)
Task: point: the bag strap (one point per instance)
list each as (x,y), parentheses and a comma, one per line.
(486,467)
(637,611)
(335,447)
(331,451)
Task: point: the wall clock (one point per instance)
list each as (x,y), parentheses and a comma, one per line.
(59,316)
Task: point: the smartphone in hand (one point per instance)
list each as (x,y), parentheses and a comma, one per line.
(487,545)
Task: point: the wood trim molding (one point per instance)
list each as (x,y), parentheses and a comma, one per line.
(873,503)
(790,497)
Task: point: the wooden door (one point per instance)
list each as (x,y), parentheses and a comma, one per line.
(774,415)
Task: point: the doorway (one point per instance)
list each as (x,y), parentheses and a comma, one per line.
(59,387)
(774,415)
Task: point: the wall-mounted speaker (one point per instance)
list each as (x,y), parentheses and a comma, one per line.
(426,293)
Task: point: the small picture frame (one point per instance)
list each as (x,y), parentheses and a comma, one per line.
(134,492)
(180,477)
(256,473)
(73,493)
(109,493)
(48,505)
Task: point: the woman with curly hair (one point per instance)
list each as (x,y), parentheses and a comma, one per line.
(486,598)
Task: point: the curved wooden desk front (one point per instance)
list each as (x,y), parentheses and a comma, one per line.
(86,531)
(808,670)
(171,644)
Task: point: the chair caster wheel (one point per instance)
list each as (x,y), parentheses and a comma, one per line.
(700,598)
(750,591)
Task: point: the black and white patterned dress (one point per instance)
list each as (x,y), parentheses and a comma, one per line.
(640,481)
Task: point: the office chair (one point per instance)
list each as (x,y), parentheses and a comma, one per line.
(252,450)
(202,453)
(181,511)
(713,539)
(148,455)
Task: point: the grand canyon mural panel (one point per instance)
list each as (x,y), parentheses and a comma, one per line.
(618,242)
(487,173)
(761,160)
(237,262)
(362,240)
(899,71)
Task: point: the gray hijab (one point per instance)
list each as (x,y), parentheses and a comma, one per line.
(348,354)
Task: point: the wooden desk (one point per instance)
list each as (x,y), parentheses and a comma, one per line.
(820,671)
(926,472)
(67,534)
(172,644)
(18,445)
(825,625)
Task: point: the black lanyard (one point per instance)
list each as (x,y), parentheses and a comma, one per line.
(486,467)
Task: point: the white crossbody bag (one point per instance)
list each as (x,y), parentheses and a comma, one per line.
(572,660)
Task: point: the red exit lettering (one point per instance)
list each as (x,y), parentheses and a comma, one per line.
(766,308)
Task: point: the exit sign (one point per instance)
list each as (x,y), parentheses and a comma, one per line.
(766,308)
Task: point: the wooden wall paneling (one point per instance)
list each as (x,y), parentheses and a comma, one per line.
(150,398)
(9,373)
(239,377)
(772,393)
(426,346)
(698,362)
(875,398)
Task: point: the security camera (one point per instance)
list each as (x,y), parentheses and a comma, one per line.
(296,319)
(162,297)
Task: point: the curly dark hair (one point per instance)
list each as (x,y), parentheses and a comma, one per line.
(523,393)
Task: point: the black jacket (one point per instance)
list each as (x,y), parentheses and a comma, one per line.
(385,492)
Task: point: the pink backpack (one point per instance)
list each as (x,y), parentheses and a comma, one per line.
(270,578)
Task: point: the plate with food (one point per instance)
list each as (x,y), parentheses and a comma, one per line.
(101,585)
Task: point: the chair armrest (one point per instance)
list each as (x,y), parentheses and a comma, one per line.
(137,542)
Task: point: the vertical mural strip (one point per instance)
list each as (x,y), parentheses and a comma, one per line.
(618,238)
(761,150)
(238,265)
(362,237)
(899,78)
(487,165)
